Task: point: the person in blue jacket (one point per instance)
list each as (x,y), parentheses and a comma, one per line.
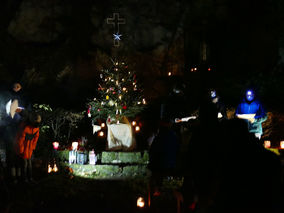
(252,107)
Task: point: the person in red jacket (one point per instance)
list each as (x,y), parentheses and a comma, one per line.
(26,141)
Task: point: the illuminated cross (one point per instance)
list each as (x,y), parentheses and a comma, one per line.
(116,21)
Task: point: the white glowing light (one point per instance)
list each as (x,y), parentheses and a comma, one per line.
(140,202)
(133,123)
(75,145)
(169,73)
(101,133)
(281,144)
(137,128)
(103,125)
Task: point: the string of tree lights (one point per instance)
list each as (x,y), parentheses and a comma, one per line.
(119,93)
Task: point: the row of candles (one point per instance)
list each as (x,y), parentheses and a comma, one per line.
(133,123)
(267,144)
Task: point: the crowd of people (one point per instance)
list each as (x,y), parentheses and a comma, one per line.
(223,161)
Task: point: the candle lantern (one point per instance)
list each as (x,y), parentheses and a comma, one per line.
(55,169)
(267,144)
(137,128)
(101,133)
(49,169)
(140,202)
(92,157)
(72,156)
(75,145)
(81,158)
(281,144)
(55,145)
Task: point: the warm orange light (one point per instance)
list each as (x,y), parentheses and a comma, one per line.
(55,145)
(195,69)
(133,123)
(49,169)
(281,144)
(169,73)
(75,145)
(140,202)
(103,125)
(144,101)
(267,144)
(137,128)
(101,133)
(55,169)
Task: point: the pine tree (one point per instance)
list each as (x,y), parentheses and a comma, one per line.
(119,95)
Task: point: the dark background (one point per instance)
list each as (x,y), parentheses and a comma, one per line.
(57,48)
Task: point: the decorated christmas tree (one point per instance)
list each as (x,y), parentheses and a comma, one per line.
(119,95)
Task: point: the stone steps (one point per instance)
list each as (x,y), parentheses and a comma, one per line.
(111,165)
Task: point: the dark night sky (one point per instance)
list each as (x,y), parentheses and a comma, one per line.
(243,38)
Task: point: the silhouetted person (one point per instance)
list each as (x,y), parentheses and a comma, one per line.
(16,109)
(250,175)
(221,109)
(201,172)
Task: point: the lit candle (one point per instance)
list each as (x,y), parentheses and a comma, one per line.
(140,202)
(137,128)
(101,133)
(55,169)
(75,145)
(267,144)
(49,169)
(281,144)
(55,145)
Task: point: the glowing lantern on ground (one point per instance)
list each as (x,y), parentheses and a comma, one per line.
(133,123)
(55,169)
(75,145)
(49,169)
(101,133)
(140,202)
(92,157)
(281,144)
(55,145)
(267,144)
(137,128)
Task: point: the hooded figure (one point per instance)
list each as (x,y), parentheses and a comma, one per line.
(255,112)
